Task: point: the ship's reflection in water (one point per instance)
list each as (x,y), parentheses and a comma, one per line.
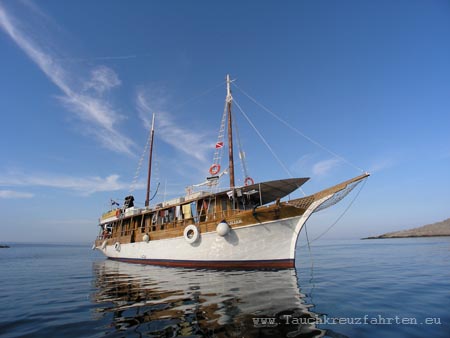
(149,301)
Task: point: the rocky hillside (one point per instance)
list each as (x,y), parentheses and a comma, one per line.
(430,230)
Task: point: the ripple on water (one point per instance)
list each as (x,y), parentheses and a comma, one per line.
(57,291)
(199,302)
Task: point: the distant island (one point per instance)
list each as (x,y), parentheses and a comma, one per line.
(4,246)
(430,230)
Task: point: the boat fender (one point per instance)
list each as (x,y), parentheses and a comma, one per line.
(214,169)
(117,246)
(104,245)
(93,246)
(223,228)
(146,238)
(191,233)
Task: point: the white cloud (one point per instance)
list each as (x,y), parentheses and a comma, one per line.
(308,164)
(9,194)
(98,114)
(302,165)
(323,167)
(194,143)
(382,164)
(83,185)
(102,79)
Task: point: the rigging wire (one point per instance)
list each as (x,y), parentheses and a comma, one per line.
(192,98)
(310,257)
(340,216)
(312,280)
(241,151)
(266,143)
(263,139)
(157,177)
(220,143)
(309,247)
(298,131)
(139,166)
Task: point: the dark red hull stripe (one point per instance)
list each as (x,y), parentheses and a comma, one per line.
(256,264)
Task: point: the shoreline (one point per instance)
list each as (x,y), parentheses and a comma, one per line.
(438,229)
(407,236)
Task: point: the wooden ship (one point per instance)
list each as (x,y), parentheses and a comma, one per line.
(248,226)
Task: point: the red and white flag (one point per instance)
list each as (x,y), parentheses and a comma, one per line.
(219,145)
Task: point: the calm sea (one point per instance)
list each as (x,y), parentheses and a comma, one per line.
(372,288)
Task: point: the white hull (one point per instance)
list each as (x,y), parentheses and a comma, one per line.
(270,244)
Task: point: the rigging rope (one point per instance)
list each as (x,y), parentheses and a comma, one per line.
(265,142)
(220,143)
(178,106)
(139,166)
(263,139)
(298,131)
(339,218)
(241,151)
(310,252)
(311,280)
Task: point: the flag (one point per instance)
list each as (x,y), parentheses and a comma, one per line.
(219,145)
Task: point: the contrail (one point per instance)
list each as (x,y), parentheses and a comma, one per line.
(97,58)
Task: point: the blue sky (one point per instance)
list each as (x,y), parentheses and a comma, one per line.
(369,80)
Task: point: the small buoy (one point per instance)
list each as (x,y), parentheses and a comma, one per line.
(223,228)
(117,246)
(191,233)
(146,238)
(118,212)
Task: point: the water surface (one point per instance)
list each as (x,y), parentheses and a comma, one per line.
(51,291)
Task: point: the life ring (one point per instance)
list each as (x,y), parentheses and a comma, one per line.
(104,245)
(191,233)
(118,212)
(214,169)
(117,246)
(249,181)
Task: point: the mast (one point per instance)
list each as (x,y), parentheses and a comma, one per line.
(230,134)
(147,198)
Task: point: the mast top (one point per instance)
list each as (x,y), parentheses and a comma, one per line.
(229,97)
